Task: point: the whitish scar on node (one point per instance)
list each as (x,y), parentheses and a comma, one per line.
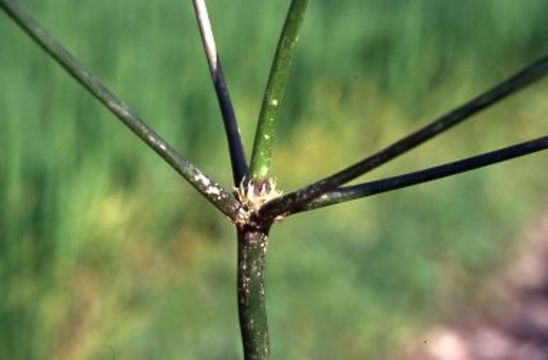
(202,179)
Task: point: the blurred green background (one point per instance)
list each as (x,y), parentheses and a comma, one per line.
(106,253)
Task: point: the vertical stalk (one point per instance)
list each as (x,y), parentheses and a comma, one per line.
(252,247)
(262,147)
(235,146)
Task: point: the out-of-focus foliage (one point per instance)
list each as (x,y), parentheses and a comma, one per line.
(106,253)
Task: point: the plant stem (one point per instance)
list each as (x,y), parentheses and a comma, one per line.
(215,193)
(298,199)
(262,147)
(235,146)
(418,177)
(252,247)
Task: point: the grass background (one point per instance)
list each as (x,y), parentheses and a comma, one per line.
(106,253)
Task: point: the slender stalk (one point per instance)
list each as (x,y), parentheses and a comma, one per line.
(299,198)
(235,146)
(418,177)
(215,193)
(262,147)
(253,240)
(252,247)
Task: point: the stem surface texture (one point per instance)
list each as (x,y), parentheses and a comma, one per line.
(262,147)
(252,247)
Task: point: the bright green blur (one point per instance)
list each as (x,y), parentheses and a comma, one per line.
(105,253)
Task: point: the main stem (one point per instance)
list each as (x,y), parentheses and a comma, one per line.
(252,247)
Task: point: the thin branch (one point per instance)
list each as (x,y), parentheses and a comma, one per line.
(262,147)
(299,198)
(235,146)
(418,177)
(221,198)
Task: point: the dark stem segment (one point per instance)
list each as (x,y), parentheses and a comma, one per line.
(221,198)
(235,146)
(299,198)
(397,182)
(252,247)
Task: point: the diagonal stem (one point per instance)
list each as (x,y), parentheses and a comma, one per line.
(262,147)
(299,198)
(235,146)
(418,177)
(221,198)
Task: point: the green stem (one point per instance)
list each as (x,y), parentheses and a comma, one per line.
(262,147)
(252,246)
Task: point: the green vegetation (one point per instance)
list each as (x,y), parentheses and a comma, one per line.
(105,253)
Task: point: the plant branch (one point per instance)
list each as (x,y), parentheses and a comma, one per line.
(252,246)
(262,147)
(418,177)
(299,199)
(221,198)
(235,146)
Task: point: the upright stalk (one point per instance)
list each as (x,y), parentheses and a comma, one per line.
(252,247)
(235,146)
(262,147)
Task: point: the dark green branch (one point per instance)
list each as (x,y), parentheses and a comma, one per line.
(235,146)
(418,177)
(299,199)
(262,147)
(252,246)
(222,199)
